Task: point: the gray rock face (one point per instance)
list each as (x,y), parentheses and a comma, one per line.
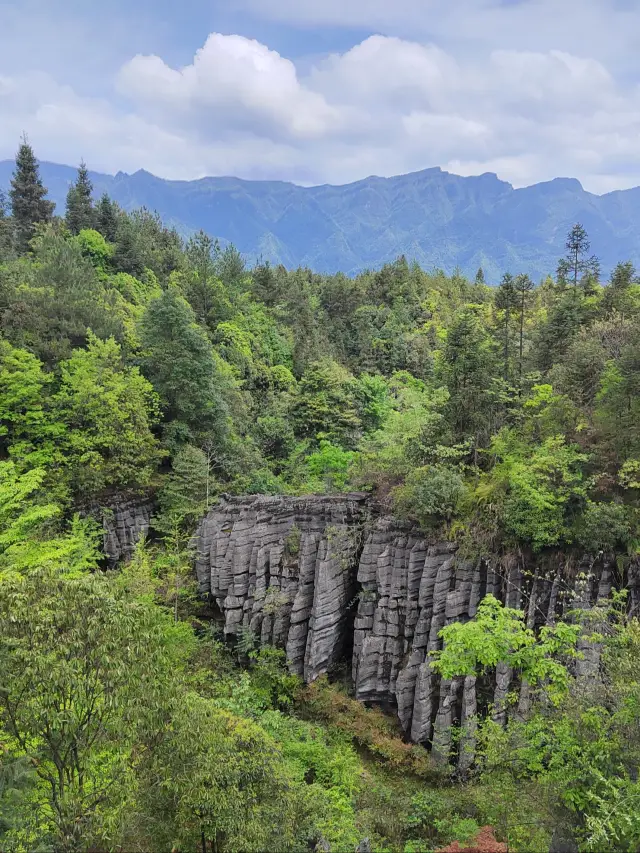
(291,570)
(124,523)
(285,569)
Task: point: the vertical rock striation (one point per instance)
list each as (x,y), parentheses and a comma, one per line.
(285,569)
(290,570)
(124,522)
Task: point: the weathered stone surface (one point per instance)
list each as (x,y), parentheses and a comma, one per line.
(292,569)
(124,522)
(285,569)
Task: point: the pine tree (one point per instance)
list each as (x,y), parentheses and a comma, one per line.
(80,213)
(575,267)
(107,218)
(523,286)
(480,276)
(28,203)
(507,301)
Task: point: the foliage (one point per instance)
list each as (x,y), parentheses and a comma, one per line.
(498,634)
(109,410)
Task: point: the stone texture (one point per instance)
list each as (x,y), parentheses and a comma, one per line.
(124,522)
(285,569)
(292,570)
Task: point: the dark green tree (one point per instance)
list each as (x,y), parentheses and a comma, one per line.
(128,255)
(523,287)
(29,205)
(79,213)
(575,267)
(325,404)
(479,279)
(202,253)
(180,362)
(618,296)
(107,218)
(507,302)
(468,367)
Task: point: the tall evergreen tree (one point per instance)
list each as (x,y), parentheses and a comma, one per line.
(575,267)
(80,213)
(523,286)
(107,218)
(28,203)
(506,301)
(480,276)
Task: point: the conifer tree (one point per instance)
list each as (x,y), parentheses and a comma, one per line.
(575,266)
(28,203)
(80,213)
(523,286)
(480,276)
(507,301)
(107,218)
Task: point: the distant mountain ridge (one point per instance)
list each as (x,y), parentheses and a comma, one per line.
(434,217)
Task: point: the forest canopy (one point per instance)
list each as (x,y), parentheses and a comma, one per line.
(135,363)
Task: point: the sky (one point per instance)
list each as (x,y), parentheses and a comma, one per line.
(327,91)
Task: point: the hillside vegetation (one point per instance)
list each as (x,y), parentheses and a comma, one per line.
(132,363)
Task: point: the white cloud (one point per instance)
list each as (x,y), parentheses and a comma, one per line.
(388,105)
(240,80)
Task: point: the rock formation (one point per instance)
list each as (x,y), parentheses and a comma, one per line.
(285,570)
(292,570)
(124,522)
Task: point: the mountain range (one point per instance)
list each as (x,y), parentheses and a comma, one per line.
(436,218)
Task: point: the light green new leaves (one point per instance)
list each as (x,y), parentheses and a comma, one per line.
(498,634)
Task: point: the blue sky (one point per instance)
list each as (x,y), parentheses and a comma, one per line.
(321,91)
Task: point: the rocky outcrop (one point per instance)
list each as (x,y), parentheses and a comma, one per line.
(292,571)
(124,522)
(284,569)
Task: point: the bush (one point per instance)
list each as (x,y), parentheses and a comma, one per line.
(430,494)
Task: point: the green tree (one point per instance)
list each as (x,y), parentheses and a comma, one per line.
(498,634)
(506,301)
(523,287)
(127,256)
(58,298)
(479,279)
(532,494)
(29,432)
(107,218)
(180,363)
(109,410)
(105,666)
(467,367)
(6,228)
(225,789)
(31,530)
(202,254)
(623,293)
(325,404)
(575,266)
(29,206)
(79,210)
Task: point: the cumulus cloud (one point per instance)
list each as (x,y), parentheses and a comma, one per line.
(240,80)
(388,105)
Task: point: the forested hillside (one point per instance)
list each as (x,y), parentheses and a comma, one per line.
(133,363)
(438,219)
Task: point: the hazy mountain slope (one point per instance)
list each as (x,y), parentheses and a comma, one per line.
(436,218)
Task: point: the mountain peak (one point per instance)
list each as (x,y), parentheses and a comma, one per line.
(440,219)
